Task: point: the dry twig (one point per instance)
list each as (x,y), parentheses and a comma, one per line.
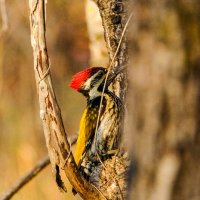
(26,178)
(44,162)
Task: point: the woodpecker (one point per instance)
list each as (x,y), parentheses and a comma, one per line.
(90,83)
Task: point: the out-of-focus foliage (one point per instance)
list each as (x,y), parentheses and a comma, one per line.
(21,137)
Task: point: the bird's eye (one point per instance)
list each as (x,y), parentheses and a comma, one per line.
(97,78)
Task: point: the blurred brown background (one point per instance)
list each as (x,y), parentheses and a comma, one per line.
(21,136)
(166,57)
(164,89)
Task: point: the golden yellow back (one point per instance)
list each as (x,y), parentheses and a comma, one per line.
(87,129)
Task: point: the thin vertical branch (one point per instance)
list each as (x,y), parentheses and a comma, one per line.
(4,17)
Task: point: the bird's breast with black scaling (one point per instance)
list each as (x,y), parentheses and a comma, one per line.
(107,136)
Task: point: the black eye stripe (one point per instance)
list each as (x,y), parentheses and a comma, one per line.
(97,78)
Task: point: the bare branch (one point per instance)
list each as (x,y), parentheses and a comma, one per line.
(26,178)
(55,135)
(30,175)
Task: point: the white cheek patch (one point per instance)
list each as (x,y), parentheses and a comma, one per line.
(87,84)
(94,93)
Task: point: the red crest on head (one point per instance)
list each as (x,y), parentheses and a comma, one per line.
(79,78)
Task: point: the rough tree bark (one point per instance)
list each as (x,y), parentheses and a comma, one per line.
(164,102)
(114,17)
(110,177)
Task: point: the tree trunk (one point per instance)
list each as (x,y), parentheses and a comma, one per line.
(110,175)
(114,17)
(164,100)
